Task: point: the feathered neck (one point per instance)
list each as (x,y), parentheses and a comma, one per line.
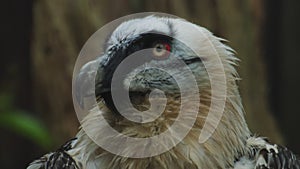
(228,142)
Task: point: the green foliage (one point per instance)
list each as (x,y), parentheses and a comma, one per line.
(22,123)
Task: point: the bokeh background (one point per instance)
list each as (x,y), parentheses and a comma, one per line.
(42,38)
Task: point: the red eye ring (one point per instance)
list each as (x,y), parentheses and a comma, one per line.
(167,47)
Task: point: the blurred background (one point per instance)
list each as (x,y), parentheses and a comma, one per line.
(41,40)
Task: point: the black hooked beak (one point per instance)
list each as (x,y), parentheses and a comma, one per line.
(82,85)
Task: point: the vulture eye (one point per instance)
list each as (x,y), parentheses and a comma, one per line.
(161,50)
